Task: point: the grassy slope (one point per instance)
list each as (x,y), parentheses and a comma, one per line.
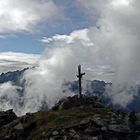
(46,120)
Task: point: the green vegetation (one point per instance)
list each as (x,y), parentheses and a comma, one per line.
(46,120)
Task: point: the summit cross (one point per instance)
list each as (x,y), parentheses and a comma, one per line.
(79,76)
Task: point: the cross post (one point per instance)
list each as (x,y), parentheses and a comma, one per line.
(79,76)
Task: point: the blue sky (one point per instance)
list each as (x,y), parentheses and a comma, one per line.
(29,42)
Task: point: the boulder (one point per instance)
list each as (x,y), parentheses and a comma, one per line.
(19,126)
(54,133)
(119,128)
(98,121)
(7,117)
(75,101)
(12,124)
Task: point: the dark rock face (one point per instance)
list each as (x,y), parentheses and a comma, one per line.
(110,126)
(13,77)
(13,127)
(75,101)
(7,117)
(102,124)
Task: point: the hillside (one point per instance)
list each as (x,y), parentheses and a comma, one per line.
(71,119)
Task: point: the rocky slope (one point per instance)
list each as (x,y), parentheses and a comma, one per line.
(72,119)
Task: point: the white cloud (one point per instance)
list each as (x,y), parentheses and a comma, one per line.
(44,83)
(9,97)
(112,44)
(121,3)
(19,15)
(57,65)
(117,37)
(81,35)
(13,61)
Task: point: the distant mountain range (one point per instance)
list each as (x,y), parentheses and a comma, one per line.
(92,87)
(12,76)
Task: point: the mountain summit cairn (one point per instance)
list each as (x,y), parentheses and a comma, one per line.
(79,76)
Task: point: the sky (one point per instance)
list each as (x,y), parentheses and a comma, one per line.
(24,24)
(18,39)
(56,36)
(93,27)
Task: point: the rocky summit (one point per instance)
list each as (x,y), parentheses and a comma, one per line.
(72,118)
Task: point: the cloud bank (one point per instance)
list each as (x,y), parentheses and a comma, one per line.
(10,61)
(9,97)
(57,65)
(111,45)
(23,16)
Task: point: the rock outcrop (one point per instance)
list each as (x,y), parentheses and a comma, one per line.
(7,117)
(71,119)
(75,101)
(97,127)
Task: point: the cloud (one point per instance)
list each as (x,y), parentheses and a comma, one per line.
(9,97)
(81,35)
(117,35)
(85,51)
(57,65)
(110,45)
(114,42)
(23,16)
(10,61)
(44,83)
(93,8)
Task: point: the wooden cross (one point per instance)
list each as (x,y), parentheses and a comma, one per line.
(80,75)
